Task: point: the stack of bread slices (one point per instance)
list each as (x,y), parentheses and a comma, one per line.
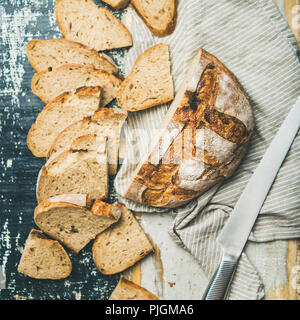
(79,135)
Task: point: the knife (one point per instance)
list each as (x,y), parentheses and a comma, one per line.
(236,231)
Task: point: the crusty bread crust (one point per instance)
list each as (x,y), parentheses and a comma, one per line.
(159,32)
(100,56)
(143,293)
(47,205)
(106,210)
(217,106)
(88,91)
(99,208)
(120,5)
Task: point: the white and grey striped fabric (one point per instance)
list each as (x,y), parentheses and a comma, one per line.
(254,41)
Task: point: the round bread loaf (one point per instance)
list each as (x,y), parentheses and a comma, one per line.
(202,140)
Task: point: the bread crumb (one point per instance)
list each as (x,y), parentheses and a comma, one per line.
(9,163)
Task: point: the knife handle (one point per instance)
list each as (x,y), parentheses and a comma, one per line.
(219,285)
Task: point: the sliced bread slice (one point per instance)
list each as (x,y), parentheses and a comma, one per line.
(47,55)
(150,82)
(120,247)
(48,85)
(117,4)
(75,226)
(128,290)
(77,170)
(96,27)
(159,16)
(59,114)
(107,122)
(44,258)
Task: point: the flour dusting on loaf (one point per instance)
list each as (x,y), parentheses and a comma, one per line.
(203,137)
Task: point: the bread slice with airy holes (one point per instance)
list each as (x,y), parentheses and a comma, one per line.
(48,85)
(117,4)
(120,247)
(96,27)
(75,226)
(44,258)
(128,290)
(107,122)
(59,114)
(150,82)
(47,55)
(82,170)
(159,16)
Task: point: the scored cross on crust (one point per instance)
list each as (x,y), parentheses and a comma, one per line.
(216,123)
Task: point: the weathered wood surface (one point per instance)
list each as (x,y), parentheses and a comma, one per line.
(21,21)
(172,273)
(291,289)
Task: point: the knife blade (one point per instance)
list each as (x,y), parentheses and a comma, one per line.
(235,233)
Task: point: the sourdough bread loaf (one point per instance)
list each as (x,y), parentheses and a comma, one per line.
(96,27)
(128,290)
(202,139)
(47,55)
(150,82)
(120,247)
(107,122)
(76,170)
(59,114)
(48,85)
(159,16)
(74,225)
(44,258)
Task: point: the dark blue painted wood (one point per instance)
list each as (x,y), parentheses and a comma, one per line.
(21,21)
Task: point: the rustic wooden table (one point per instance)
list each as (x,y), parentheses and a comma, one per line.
(291,290)
(21,21)
(172,273)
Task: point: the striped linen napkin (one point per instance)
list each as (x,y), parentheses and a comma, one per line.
(254,41)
